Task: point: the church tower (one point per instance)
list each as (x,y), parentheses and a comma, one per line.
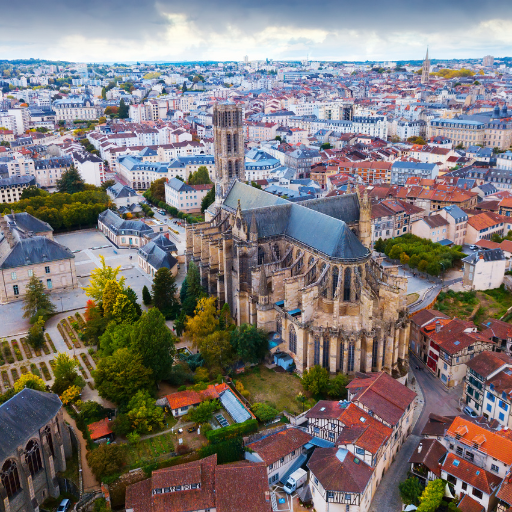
(365,219)
(425,73)
(228,135)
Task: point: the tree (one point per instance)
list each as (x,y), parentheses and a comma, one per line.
(264,412)
(404,259)
(301,398)
(203,412)
(134,299)
(337,386)
(195,289)
(70,395)
(35,336)
(102,120)
(124,311)
(33,191)
(146,296)
(143,413)
(107,184)
(200,177)
(36,302)
(119,375)
(153,340)
(180,322)
(432,496)
(316,380)
(326,145)
(111,292)
(164,292)
(380,245)
(123,111)
(71,181)
(216,350)
(99,278)
(410,491)
(31,381)
(116,336)
(420,141)
(249,343)
(95,323)
(66,374)
(106,460)
(208,199)
(157,190)
(204,321)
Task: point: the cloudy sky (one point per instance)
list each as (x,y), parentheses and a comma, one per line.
(128,30)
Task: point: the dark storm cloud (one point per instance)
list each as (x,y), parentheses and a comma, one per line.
(43,24)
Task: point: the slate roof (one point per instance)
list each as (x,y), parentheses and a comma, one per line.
(486,255)
(348,475)
(116,224)
(119,190)
(33,250)
(17,181)
(23,415)
(158,252)
(27,222)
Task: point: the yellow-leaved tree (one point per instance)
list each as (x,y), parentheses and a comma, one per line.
(29,380)
(99,278)
(204,321)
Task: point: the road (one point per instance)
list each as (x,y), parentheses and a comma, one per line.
(432,294)
(432,397)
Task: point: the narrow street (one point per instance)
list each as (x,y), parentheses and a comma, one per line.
(432,397)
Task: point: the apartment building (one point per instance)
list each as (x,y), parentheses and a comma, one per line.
(90,167)
(433,227)
(186,198)
(483,226)
(76,107)
(12,188)
(402,171)
(484,269)
(371,173)
(457,223)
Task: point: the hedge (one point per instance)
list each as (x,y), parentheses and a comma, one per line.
(239,429)
(229,450)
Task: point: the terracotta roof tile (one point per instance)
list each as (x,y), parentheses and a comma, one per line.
(100,429)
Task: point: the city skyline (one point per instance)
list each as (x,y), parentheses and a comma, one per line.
(166,30)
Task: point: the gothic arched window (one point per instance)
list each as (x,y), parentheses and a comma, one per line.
(48,435)
(230,168)
(276,251)
(335,278)
(279,326)
(33,457)
(375,351)
(325,359)
(261,255)
(10,478)
(292,340)
(347,283)
(350,358)
(316,350)
(341,356)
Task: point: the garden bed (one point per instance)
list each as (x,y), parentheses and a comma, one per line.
(46,373)
(5,380)
(71,334)
(23,370)
(64,336)
(6,351)
(50,341)
(148,450)
(14,374)
(87,362)
(17,351)
(34,369)
(26,348)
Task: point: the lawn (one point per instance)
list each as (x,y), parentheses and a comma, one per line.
(476,306)
(148,450)
(278,389)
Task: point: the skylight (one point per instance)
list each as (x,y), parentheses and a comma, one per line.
(455,462)
(322,409)
(362,419)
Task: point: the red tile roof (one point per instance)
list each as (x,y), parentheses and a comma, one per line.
(100,429)
(190,397)
(473,475)
(429,452)
(468,504)
(275,446)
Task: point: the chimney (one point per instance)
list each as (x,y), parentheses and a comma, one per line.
(420,447)
(438,325)
(481,255)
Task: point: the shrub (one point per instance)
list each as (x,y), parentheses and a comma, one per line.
(106,460)
(239,429)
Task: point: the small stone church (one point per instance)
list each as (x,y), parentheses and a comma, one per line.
(304,272)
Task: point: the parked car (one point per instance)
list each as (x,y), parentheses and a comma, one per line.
(64,505)
(467,410)
(162,212)
(191,429)
(474,247)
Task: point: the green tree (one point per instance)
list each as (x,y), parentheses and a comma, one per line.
(33,191)
(124,311)
(249,343)
(143,413)
(337,386)
(194,288)
(264,412)
(106,460)
(157,190)
(216,350)
(36,302)
(380,245)
(124,110)
(119,375)
(164,292)
(71,181)
(111,292)
(316,380)
(99,278)
(404,259)
(200,177)
(422,265)
(208,199)
(410,491)
(325,145)
(203,412)
(132,297)
(432,496)
(35,336)
(107,184)
(153,340)
(116,336)
(146,296)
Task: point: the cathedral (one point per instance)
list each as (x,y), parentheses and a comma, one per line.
(302,271)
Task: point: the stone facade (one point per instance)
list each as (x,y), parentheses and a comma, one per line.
(28,469)
(304,272)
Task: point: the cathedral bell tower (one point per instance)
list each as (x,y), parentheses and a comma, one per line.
(228,135)
(365,219)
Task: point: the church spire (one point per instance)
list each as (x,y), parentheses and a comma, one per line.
(425,72)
